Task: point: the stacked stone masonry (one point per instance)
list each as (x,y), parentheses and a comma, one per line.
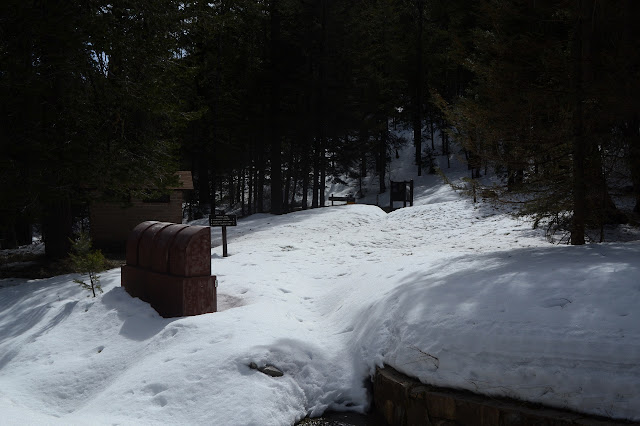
(404,401)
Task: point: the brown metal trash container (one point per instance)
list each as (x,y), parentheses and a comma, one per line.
(169,266)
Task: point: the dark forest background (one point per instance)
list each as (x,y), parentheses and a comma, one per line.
(264,100)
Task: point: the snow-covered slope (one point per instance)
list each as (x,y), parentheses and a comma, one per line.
(454,293)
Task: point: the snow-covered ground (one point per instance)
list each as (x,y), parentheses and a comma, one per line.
(456,294)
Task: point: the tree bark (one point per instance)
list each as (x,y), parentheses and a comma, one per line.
(323,173)
(204,197)
(632,127)
(445,149)
(259,181)
(417,102)
(633,136)
(383,155)
(433,146)
(232,193)
(57,227)
(316,174)
(241,185)
(276,146)
(305,175)
(581,76)
(363,172)
(287,184)
(323,101)
(213,191)
(250,194)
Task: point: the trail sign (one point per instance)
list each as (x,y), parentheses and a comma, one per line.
(401,191)
(223,220)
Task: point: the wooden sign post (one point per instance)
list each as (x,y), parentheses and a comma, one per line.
(223,220)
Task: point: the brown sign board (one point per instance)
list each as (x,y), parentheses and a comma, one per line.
(401,191)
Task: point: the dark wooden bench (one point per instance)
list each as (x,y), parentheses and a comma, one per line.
(349,199)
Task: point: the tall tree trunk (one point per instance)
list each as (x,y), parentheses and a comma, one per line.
(363,171)
(57,227)
(287,183)
(293,194)
(581,77)
(323,172)
(260,190)
(305,189)
(601,208)
(316,174)
(305,175)
(241,186)
(445,148)
(56,206)
(294,178)
(204,197)
(213,191)
(323,102)
(212,177)
(383,155)
(250,195)
(632,128)
(433,147)
(259,181)
(633,137)
(417,102)
(276,145)
(446,145)
(18,233)
(232,192)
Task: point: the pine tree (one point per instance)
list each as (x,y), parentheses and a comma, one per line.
(535,111)
(89,107)
(87,261)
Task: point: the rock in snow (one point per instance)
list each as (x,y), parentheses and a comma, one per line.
(269,370)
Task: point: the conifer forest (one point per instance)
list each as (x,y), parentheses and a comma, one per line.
(265,100)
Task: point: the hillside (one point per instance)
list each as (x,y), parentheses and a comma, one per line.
(457,294)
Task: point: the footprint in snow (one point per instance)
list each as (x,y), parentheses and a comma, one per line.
(154,388)
(160,401)
(554,302)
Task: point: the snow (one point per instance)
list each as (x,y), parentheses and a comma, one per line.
(456,294)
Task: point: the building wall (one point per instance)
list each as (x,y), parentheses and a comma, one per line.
(111,223)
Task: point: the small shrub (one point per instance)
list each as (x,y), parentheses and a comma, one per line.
(87,261)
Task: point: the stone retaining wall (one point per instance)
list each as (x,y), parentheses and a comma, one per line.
(404,401)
